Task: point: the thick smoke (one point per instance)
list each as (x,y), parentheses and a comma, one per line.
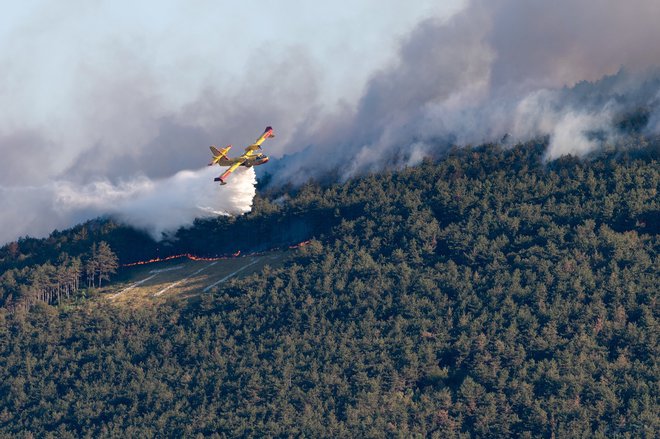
(520,69)
(159,206)
(513,69)
(124,156)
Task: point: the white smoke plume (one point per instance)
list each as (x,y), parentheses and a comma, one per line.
(159,206)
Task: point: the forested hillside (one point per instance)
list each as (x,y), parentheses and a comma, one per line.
(483,295)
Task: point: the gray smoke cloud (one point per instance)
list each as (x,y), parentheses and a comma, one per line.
(130,153)
(563,69)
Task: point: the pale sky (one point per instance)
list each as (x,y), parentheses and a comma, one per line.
(81,76)
(51,50)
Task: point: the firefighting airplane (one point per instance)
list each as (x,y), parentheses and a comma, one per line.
(248,159)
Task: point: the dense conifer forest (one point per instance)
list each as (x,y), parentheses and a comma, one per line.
(486,294)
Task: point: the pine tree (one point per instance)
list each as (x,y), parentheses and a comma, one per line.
(91,266)
(106,261)
(74,271)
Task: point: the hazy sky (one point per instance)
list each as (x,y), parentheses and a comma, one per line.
(116,99)
(76,74)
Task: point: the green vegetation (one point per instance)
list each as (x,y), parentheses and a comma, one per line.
(486,295)
(58,283)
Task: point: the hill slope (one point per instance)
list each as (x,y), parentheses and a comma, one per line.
(181,277)
(487,294)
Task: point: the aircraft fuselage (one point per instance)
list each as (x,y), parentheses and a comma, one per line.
(256,161)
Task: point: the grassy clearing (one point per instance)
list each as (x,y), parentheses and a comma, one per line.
(186,278)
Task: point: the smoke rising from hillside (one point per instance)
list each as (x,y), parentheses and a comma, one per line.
(563,69)
(158,206)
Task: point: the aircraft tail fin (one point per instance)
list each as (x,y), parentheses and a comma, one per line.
(218,154)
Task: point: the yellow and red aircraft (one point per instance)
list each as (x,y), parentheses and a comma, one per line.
(248,159)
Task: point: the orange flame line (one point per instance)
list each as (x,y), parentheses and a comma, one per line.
(300,244)
(201,258)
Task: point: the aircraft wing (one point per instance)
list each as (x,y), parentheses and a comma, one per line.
(239,161)
(268,132)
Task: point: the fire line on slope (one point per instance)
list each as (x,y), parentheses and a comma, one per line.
(209,259)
